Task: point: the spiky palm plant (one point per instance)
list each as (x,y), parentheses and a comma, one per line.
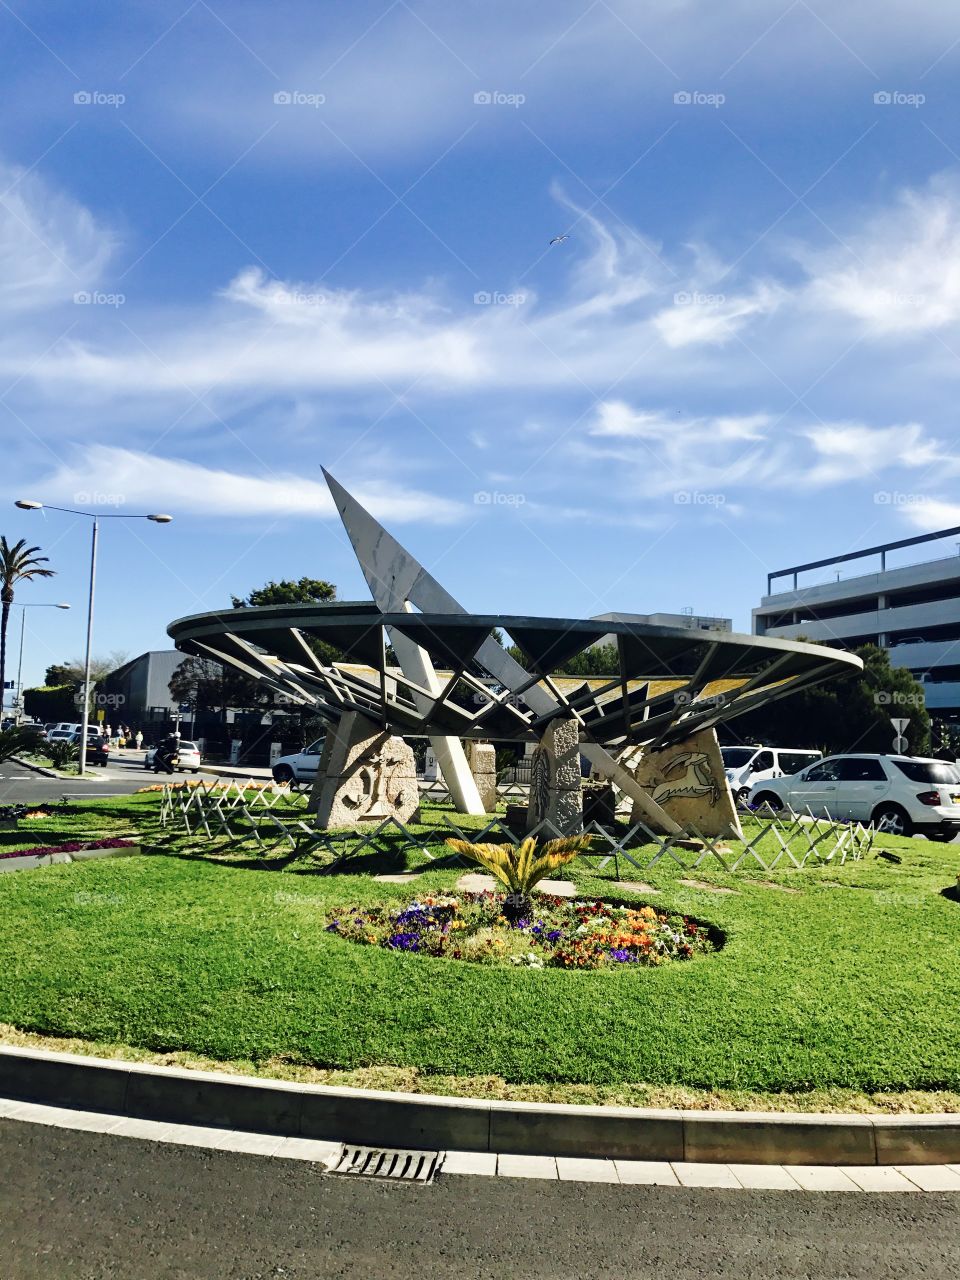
(18,563)
(523,866)
(16,741)
(61,753)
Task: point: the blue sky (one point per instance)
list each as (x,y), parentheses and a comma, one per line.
(238,242)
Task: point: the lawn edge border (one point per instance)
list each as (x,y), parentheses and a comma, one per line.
(179,1095)
(37,768)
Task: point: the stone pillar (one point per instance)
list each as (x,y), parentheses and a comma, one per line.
(688,782)
(364,776)
(556,792)
(482,758)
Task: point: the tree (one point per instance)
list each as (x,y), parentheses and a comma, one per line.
(18,563)
(303,591)
(845,715)
(51,704)
(598,660)
(58,674)
(208,685)
(100,667)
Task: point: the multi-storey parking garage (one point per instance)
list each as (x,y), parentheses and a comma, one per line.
(907,606)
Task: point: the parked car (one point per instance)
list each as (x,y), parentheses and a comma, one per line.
(61,728)
(188,754)
(905,794)
(301,766)
(98,751)
(64,735)
(746,766)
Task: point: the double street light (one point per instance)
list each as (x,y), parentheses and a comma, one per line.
(18,701)
(96,517)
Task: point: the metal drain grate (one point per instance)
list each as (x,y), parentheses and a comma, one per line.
(381,1162)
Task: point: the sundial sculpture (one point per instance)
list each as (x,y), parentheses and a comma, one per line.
(649,729)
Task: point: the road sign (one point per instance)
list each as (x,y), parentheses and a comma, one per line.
(899,724)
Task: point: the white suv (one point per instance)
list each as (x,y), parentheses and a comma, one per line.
(746,766)
(906,794)
(301,766)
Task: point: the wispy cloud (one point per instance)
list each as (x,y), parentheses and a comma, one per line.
(102,476)
(900,274)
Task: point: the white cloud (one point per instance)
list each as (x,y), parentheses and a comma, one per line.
(667,453)
(101,476)
(847,451)
(50,246)
(929,514)
(900,274)
(634,52)
(703,317)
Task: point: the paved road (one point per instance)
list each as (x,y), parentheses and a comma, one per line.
(94,1207)
(123,775)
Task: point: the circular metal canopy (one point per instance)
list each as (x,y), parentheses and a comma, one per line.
(670,681)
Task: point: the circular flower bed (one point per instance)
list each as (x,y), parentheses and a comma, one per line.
(557,934)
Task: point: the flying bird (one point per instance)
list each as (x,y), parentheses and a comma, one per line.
(559,239)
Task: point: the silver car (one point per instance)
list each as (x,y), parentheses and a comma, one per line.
(905,794)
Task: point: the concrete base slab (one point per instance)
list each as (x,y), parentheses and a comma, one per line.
(650,1173)
(252,1144)
(706,888)
(764,1177)
(309,1149)
(932,1177)
(880,1178)
(195,1135)
(570,1169)
(474,882)
(63,1117)
(482,1163)
(706,1175)
(816,1177)
(149,1129)
(404,878)
(526,1167)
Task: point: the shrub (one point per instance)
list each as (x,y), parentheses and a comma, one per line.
(60,754)
(523,866)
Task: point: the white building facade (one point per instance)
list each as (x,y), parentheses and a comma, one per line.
(887,595)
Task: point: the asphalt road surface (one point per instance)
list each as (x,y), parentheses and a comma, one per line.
(94,1207)
(123,775)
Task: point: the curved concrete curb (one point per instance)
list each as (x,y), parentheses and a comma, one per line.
(425,1122)
(36,768)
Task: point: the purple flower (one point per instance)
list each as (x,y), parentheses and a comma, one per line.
(553,935)
(404,942)
(70,847)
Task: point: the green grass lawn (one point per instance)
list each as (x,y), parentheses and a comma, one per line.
(835,978)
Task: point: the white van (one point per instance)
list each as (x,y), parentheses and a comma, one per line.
(746,766)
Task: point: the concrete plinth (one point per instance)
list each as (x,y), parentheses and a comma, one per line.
(482,758)
(688,782)
(556,791)
(364,776)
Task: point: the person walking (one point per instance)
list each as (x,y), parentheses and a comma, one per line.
(138,739)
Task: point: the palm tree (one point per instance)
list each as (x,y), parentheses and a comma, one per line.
(18,563)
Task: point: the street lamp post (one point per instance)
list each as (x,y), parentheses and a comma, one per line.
(18,705)
(96,516)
